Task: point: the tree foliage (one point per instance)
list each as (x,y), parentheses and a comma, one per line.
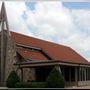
(12,79)
(55,79)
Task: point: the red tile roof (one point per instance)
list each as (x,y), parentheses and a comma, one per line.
(56,51)
(31,54)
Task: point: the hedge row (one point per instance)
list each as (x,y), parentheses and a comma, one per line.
(30,85)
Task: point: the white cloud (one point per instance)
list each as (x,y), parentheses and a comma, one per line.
(15,11)
(75,0)
(82,17)
(82,20)
(52,21)
(57,23)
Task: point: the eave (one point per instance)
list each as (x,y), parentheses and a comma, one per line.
(49,63)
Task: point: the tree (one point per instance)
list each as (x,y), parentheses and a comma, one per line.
(55,79)
(12,79)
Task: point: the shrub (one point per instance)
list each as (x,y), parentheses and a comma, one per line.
(31,85)
(12,79)
(38,84)
(55,79)
(22,85)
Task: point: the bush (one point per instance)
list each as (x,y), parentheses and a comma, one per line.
(12,79)
(38,84)
(55,79)
(30,85)
(22,85)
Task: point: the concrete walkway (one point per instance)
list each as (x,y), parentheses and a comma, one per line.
(73,87)
(81,87)
(3,88)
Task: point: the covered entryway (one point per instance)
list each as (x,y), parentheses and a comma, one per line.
(74,74)
(70,74)
(42,73)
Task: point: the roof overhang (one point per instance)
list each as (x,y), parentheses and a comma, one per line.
(48,63)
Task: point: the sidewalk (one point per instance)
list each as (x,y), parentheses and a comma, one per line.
(81,87)
(3,88)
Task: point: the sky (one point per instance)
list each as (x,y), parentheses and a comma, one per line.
(62,22)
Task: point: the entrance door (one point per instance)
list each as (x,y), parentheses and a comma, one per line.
(42,73)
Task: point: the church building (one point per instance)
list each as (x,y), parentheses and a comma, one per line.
(33,58)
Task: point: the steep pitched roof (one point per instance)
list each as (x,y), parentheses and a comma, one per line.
(56,51)
(31,54)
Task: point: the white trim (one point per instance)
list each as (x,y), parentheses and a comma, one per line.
(85,65)
(68,64)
